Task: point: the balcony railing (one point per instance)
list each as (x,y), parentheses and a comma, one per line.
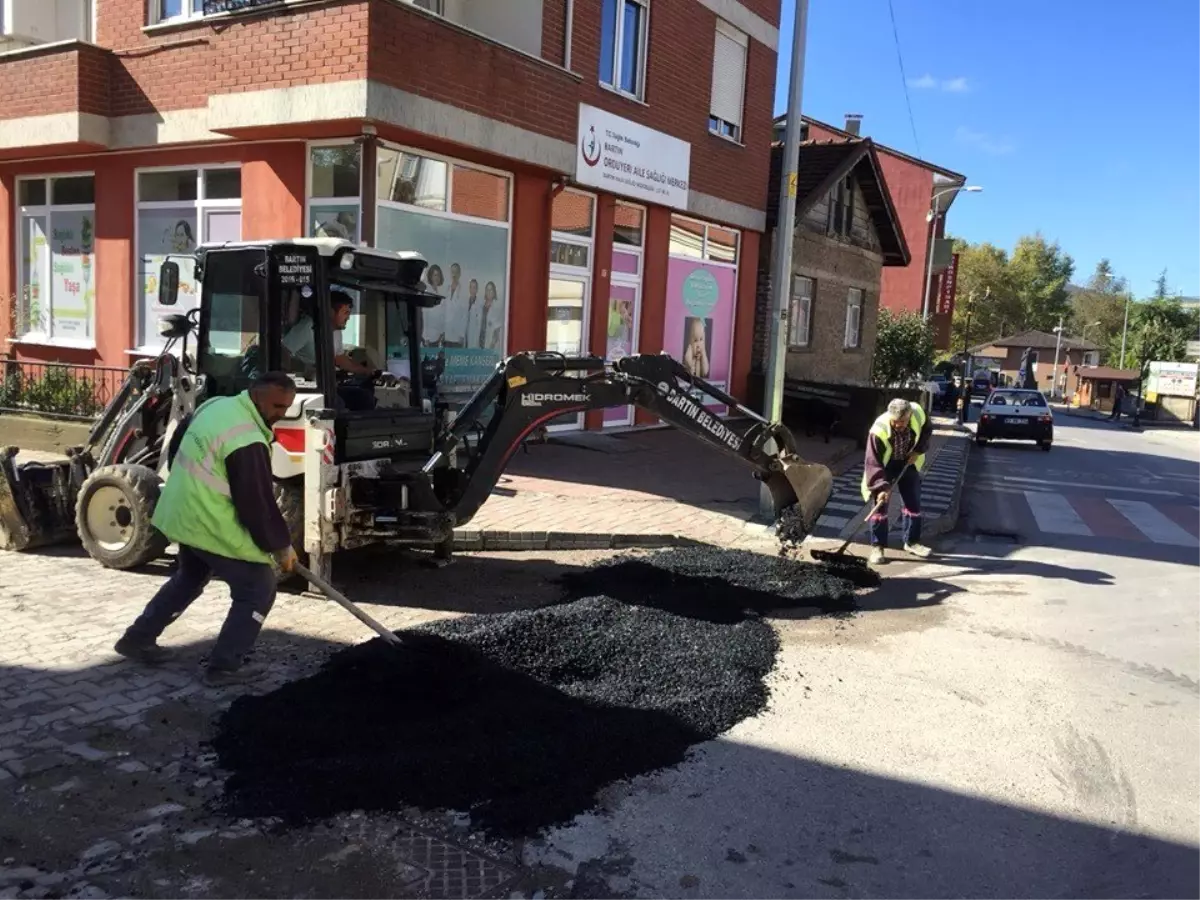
(58,389)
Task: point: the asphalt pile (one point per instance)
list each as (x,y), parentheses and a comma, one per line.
(519,719)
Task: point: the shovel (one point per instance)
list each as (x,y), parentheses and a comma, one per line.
(338,597)
(838,557)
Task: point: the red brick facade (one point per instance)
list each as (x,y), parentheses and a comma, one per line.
(148,96)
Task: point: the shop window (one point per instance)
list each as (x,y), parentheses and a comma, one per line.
(335,171)
(854,310)
(698,240)
(623,30)
(629,225)
(800,315)
(728,81)
(456,216)
(572,214)
(56,279)
(178,210)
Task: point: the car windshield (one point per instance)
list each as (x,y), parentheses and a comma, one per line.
(1017,398)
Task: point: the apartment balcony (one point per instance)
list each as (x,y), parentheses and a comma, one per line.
(56,97)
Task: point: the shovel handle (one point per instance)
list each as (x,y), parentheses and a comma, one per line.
(338,597)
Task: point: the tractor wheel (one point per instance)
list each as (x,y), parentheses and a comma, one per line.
(112,515)
(289,495)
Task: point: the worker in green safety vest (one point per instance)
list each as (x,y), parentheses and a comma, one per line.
(896,447)
(219,506)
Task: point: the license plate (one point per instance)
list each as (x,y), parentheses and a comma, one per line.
(1016,420)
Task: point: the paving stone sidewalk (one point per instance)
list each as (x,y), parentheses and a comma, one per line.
(645,488)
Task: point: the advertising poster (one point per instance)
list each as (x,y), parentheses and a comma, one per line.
(72,276)
(621,338)
(34,263)
(163,231)
(468,266)
(698,330)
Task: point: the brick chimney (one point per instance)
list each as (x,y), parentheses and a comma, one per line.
(853,123)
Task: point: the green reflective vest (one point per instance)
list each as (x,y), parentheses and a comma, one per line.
(195,507)
(882,429)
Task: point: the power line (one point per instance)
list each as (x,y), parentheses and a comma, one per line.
(904,80)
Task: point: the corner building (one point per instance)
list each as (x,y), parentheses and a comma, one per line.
(582,175)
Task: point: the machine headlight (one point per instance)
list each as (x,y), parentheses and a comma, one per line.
(347,262)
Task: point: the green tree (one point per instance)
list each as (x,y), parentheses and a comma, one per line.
(903,348)
(1041,272)
(1159,331)
(983,271)
(1098,310)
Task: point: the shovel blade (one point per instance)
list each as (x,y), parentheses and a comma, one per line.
(801,491)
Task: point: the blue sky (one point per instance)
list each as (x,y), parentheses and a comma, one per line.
(1078,119)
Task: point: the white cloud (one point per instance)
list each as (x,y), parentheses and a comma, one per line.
(927,82)
(997,146)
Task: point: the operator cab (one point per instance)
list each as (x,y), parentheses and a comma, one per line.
(271,306)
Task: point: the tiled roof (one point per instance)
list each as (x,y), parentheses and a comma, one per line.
(1040,340)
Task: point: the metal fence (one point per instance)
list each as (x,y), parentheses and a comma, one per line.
(57,389)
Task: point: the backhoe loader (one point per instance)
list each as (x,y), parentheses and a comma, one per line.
(404,472)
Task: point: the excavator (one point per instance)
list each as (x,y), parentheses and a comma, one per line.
(402,468)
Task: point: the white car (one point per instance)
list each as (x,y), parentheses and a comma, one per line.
(1016,414)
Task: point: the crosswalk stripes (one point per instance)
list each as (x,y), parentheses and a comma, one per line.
(1085,513)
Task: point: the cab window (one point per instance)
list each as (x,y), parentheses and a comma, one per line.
(231,337)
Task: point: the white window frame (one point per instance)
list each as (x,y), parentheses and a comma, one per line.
(576,273)
(189,13)
(802,304)
(145,346)
(46,336)
(718,125)
(618,46)
(634,282)
(853,338)
(565,237)
(435,7)
(311,203)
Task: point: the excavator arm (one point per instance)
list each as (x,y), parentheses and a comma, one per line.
(529,390)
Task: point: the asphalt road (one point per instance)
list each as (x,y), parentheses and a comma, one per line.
(1017,717)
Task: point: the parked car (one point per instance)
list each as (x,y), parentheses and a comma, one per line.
(981,384)
(1014,414)
(941,392)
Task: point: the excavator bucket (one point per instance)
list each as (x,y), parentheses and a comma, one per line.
(799,493)
(37,503)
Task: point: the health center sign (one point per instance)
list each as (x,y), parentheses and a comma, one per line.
(616,155)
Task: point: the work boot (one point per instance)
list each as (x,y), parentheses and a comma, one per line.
(244,674)
(918,550)
(146,652)
(876,558)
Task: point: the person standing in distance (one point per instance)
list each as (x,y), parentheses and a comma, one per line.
(218,506)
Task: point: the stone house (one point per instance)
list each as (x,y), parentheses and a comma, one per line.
(847,231)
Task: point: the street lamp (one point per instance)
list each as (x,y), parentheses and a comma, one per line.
(931,218)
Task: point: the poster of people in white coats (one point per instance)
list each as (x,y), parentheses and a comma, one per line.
(468,266)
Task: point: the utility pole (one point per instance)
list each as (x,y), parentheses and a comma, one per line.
(1054,372)
(964,400)
(1125,331)
(785,231)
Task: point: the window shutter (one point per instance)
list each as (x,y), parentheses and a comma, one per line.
(728,74)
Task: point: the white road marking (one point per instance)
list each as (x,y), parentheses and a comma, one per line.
(1055,514)
(1078,485)
(1153,524)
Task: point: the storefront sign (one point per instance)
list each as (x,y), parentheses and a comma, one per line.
(468,266)
(698,327)
(1173,379)
(617,155)
(948,288)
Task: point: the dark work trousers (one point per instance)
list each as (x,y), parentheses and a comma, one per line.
(252,586)
(910,495)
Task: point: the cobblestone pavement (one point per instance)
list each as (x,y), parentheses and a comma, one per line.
(107,757)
